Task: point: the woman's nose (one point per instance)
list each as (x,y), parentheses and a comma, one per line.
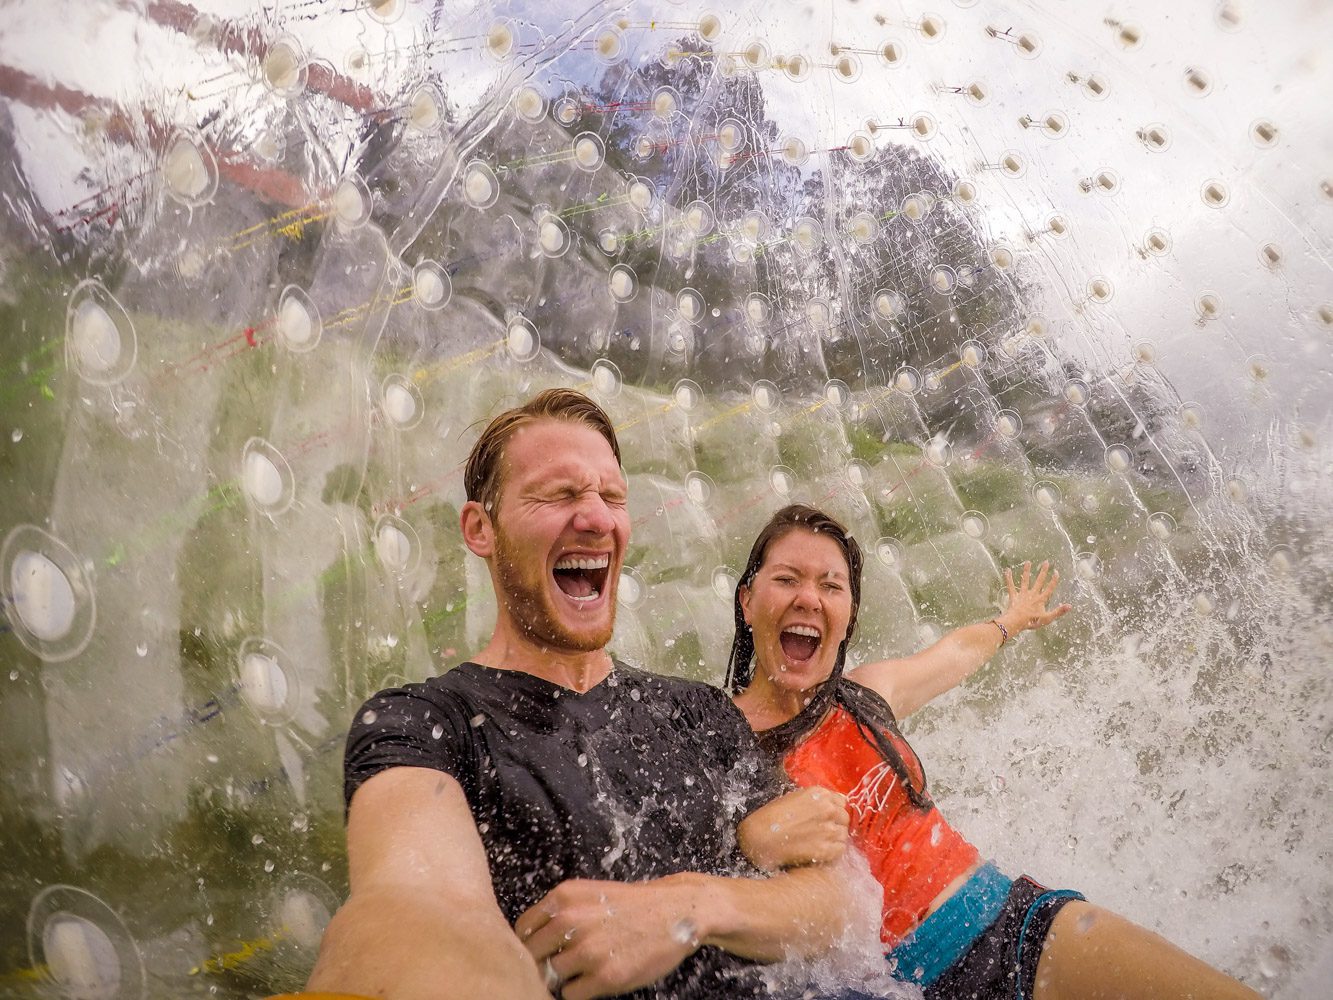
(807,596)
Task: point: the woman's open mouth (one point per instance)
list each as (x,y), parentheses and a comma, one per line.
(799,642)
(582,578)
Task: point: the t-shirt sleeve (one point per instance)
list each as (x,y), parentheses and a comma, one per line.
(413,726)
(755,780)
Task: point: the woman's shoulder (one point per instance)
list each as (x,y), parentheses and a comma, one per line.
(853,690)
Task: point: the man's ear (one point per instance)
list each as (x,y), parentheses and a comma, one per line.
(745,602)
(478,531)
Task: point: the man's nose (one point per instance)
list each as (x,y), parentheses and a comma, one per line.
(593,515)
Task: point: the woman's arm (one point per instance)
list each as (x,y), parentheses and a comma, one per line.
(913,681)
(804,827)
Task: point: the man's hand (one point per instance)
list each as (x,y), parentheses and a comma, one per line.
(1028,599)
(596,939)
(807,826)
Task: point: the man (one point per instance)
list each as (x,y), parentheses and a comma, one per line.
(590,805)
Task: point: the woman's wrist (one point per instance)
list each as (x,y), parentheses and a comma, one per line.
(1007,626)
(754,846)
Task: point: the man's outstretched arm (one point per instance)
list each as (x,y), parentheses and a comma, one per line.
(604,938)
(421,922)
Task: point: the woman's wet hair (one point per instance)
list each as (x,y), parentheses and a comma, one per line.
(871,713)
(740,668)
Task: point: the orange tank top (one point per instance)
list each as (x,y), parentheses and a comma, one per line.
(913,852)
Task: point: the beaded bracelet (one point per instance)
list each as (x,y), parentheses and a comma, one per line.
(1004,632)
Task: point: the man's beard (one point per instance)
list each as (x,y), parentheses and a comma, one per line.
(529,604)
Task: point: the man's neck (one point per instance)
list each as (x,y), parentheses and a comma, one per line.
(572,669)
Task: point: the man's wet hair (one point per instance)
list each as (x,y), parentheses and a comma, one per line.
(482,476)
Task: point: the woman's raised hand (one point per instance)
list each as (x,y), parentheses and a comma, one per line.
(807,826)
(1028,599)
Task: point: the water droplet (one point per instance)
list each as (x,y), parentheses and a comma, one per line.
(1118,458)
(190,171)
(423,111)
(1281,559)
(400,404)
(268,866)
(17,436)
(142,649)
(42,595)
(582,760)
(436,731)
(1087,566)
(368,717)
(476,720)
(1162,525)
(1274,961)
(351,202)
(284,67)
(686,932)
(257,839)
(480,187)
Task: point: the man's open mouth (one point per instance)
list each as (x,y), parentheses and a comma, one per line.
(799,642)
(582,578)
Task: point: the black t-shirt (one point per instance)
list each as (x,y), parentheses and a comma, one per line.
(640,777)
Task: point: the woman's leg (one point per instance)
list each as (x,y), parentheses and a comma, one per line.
(1092,954)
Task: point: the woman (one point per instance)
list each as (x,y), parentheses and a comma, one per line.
(951,922)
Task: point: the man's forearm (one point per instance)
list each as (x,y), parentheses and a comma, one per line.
(803,913)
(382,944)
